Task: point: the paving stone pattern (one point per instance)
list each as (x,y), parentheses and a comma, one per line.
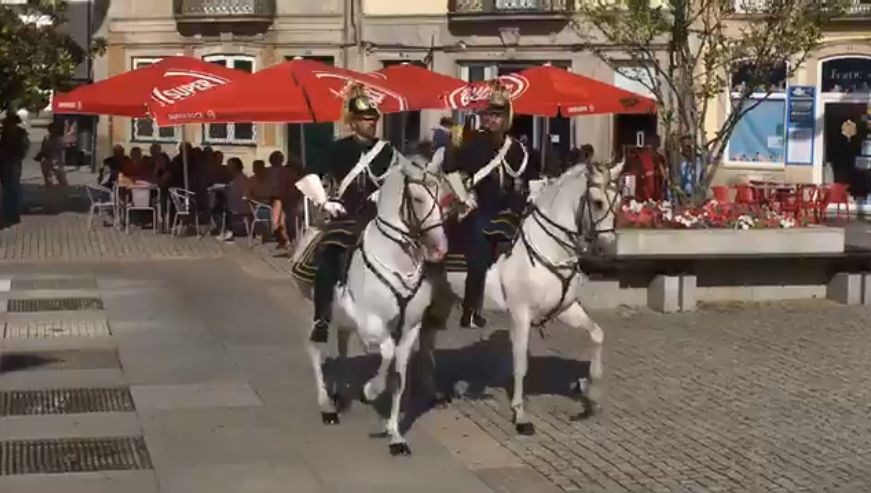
(739,398)
(66,237)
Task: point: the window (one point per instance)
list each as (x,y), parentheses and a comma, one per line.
(758,138)
(144,129)
(231,133)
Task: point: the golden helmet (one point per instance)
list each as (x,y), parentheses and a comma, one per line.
(358,104)
(500,102)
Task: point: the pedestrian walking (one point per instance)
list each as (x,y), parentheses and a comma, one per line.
(14,144)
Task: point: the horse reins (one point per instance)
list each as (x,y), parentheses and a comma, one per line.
(571,264)
(407,240)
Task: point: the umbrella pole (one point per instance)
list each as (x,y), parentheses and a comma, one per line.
(403,121)
(185,159)
(304,159)
(545,141)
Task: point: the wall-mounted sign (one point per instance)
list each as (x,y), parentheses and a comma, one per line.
(800,125)
(847,75)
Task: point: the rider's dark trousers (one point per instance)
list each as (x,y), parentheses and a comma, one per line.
(329,268)
(479,258)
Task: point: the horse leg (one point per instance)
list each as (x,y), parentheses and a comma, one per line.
(316,346)
(576,316)
(520,349)
(398,445)
(375,386)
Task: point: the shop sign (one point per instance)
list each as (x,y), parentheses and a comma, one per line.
(800,125)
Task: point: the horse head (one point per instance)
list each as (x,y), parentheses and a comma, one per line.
(597,211)
(409,203)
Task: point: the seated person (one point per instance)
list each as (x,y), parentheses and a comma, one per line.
(231,203)
(260,187)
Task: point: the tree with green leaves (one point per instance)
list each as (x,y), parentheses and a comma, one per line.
(36,55)
(685,52)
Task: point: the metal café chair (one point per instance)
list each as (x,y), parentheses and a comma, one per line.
(261,213)
(185,205)
(141,200)
(102,199)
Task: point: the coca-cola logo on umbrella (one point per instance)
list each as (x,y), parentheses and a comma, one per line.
(377,94)
(477,92)
(202,82)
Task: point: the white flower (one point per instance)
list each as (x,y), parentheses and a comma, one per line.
(635,207)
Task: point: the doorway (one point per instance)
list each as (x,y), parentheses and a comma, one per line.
(627,127)
(402,128)
(844,153)
(316,139)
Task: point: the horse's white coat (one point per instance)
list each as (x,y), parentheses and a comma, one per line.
(530,291)
(367,305)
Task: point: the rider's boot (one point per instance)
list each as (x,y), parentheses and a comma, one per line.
(320,332)
(472,319)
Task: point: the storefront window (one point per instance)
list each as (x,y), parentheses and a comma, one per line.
(758,138)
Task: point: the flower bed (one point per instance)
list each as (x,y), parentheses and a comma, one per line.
(711,215)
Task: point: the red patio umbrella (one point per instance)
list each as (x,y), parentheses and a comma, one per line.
(297,91)
(548,91)
(128,94)
(425,88)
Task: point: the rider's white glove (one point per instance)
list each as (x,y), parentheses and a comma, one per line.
(374,196)
(334,208)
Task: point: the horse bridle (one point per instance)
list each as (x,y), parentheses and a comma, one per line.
(408,239)
(590,236)
(571,244)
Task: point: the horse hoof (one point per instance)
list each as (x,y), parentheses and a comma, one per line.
(330,418)
(525,429)
(441,401)
(399,449)
(588,408)
(580,387)
(363,398)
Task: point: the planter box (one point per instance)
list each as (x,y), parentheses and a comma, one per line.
(690,242)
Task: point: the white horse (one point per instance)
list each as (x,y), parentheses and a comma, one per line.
(386,292)
(539,278)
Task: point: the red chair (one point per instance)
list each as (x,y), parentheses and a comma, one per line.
(721,193)
(745,195)
(833,193)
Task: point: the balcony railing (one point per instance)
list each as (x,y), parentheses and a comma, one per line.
(524,8)
(224,9)
(858,8)
(853,9)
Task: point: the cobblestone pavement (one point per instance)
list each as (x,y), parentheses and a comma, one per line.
(731,398)
(66,237)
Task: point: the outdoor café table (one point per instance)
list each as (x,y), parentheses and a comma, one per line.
(776,194)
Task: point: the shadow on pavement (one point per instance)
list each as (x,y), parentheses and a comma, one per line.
(472,371)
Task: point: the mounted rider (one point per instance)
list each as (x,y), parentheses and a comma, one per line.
(494,169)
(357,166)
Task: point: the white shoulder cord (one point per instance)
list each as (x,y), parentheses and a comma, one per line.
(377,180)
(506,168)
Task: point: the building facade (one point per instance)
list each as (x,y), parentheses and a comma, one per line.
(472,40)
